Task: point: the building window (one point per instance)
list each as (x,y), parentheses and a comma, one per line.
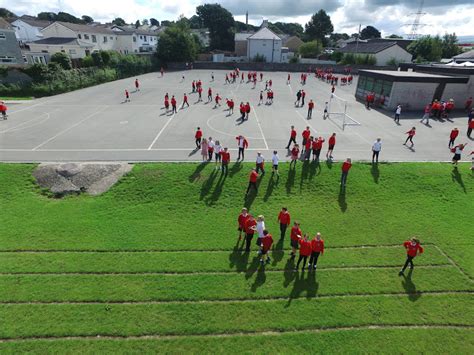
(111,38)
(105,39)
(134,39)
(86,36)
(25,59)
(2,35)
(144,37)
(94,39)
(79,36)
(7,59)
(39,59)
(72,51)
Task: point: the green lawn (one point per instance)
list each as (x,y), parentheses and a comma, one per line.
(153,264)
(13,98)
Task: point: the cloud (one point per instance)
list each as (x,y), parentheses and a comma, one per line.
(279,7)
(414,4)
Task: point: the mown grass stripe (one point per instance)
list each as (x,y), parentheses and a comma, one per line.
(230,260)
(254,283)
(20,321)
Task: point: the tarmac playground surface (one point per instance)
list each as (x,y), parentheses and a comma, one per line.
(94,124)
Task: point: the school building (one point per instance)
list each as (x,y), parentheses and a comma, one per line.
(413,86)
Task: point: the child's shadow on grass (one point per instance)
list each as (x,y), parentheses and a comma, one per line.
(342,199)
(271,185)
(410,287)
(290,182)
(197,172)
(239,259)
(375,172)
(216,194)
(207,185)
(456,176)
(259,280)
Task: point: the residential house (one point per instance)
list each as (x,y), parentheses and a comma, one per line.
(464,58)
(293,43)
(265,43)
(132,40)
(28,28)
(10,53)
(384,51)
(72,46)
(100,37)
(240,42)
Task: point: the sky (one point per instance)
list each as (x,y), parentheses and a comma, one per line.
(440,16)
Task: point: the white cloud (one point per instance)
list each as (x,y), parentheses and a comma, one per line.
(345,14)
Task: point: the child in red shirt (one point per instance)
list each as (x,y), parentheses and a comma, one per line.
(3,110)
(305,251)
(316,146)
(252,181)
(225,158)
(127,96)
(198,137)
(411,133)
(243,217)
(413,248)
(294,154)
(295,232)
(346,166)
(185,100)
(173,105)
(250,228)
(292,137)
(137,85)
(317,248)
(331,143)
(452,137)
(266,244)
(284,220)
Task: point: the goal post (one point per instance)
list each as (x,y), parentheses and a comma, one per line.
(338,112)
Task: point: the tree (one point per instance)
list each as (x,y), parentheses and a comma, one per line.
(118,21)
(5,13)
(66,17)
(242,27)
(97,58)
(105,56)
(426,48)
(154,22)
(62,59)
(47,16)
(293,29)
(176,45)
(334,37)
(167,23)
(195,22)
(87,19)
(370,32)
(319,27)
(310,49)
(145,22)
(220,23)
(137,23)
(395,36)
(450,46)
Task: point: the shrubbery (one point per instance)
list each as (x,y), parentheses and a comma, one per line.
(360,59)
(99,68)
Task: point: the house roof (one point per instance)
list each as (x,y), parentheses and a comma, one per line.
(85,28)
(404,43)
(411,76)
(120,30)
(264,33)
(465,56)
(57,41)
(4,25)
(293,41)
(33,21)
(242,36)
(369,47)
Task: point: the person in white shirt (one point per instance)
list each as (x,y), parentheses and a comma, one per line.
(217,153)
(376,148)
(210,148)
(260,228)
(260,162)
(326,110)
(275,161)
(398,111)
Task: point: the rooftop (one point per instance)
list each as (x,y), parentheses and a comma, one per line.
(411,76)
(368,47)
(242,36)
(85,28)
(465,56)
(33,21)
(57,41)
(4,25)
(265,33)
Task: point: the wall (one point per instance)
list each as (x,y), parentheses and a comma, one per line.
(57,30)
(412,96)
(9,47)
(396,52)
(79,51)
(316,61)
(459,92)
(270,49)
(241,48)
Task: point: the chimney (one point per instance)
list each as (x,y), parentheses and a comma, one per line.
(247,20)
(265,23)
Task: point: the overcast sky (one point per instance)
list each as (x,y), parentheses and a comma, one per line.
(388,16)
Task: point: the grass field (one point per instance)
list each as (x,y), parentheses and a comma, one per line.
(13,98)
(153,265)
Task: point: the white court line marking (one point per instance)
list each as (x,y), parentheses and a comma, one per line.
(26,108)
(222,132)
(69,128)
(22,124)
(161,131)
(260,127)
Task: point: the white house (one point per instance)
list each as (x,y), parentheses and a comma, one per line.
(265,43)
(99,37)
(383,51)
(28,28)
(131,40)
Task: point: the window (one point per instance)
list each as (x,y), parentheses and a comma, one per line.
(144,37)
(134,39)
(86,36)
(2,35)
(141,37)
(79,36)
(25,59)
(105,39)
(111,38)
(94,39)
(7,59)
(72,51)
(39,59)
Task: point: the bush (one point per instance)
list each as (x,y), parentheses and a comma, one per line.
(87,62)
(393,62)
(294,60)
(310,49)
(360,59)
(259,58)
(62,59)
(337,56)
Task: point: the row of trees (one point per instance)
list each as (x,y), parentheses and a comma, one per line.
(433,48)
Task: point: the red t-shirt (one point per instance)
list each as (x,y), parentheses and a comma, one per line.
(411,132)
(295,232)
(295,152)
(317,245)
(413,248)
(471,124)
(454,134)
(346,166)
(308,144)
(284,217)
(249,224)
(311,105)
(198,134)
(267,242)
(293,133)
(305,247)
(173,102)
(225,157)
(253,176)
(332,140)
(242,220)
(306,133)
